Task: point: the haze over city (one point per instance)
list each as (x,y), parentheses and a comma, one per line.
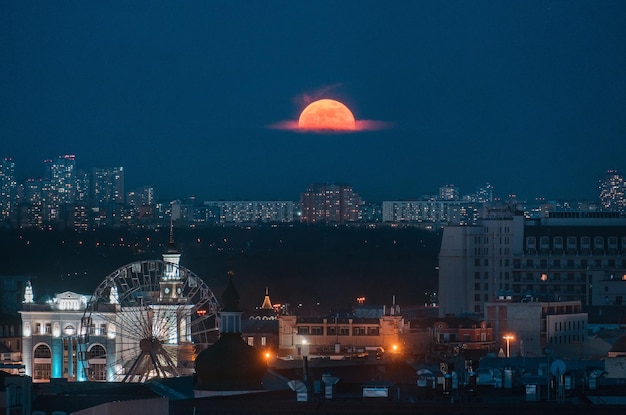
(529,97)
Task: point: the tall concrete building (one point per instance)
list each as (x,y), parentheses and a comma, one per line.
(107,186)
(61,174)
(613,191)
(8,189)
(564,256)
(449,192)
(330,203)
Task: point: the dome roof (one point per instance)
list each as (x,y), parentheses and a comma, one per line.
(230,364)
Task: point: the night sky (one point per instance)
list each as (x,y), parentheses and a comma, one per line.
(527,95)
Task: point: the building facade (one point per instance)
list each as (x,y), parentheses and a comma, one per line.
(304,336)
(8,189)
(559,257)
(330,203)
(436,211)
(51,346)
(531,327)
(251,211)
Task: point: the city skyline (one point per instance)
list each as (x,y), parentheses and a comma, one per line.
(529,97)
(442,191)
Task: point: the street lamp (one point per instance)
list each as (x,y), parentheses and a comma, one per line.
(508,339)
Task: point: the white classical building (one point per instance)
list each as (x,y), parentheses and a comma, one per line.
(50,339)
(146,319)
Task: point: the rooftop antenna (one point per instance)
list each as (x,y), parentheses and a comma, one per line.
(171,229)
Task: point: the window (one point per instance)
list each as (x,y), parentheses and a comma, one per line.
(531,243)
(98,371)
(42,352)
(331,331)
(571,243)
(358,331)
(263,341)
(585,242)
(544,242)
(372,331)
(97,352)
(344,331)
(598,243)
(250,341)
(303,329)
(317,330)
(558,243)
(42,371)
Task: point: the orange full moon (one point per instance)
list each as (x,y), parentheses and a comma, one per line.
(327,114)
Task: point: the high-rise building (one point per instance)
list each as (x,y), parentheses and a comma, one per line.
(555,258)
(449,192)
(330,203)
(485,193)
(8,189)
(83,186)
(143,196)
(613,191)
(61,175)
(108,186)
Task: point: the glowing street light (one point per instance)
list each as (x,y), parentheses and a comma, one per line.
(508,339)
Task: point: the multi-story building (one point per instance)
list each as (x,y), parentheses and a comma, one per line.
(453,336)
(61,175)
(143,196)
(304,336)
(484,194)
(528,328)
(107,186)
(8,189)
(435,211)
(613,191)
(330,203)
(449,192)
(249,211)
(50,337)
(83,187)
(559,257)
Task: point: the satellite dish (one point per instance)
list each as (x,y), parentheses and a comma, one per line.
(297,385)
(558,367)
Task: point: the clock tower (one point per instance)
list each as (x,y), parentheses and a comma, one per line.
(171,286)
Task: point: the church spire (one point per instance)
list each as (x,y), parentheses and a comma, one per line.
(230,315)
(171,247)
(267,303)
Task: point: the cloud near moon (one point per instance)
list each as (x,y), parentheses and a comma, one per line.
(328,116)
(360,125)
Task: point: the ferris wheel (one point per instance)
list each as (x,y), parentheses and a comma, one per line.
(147,319)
